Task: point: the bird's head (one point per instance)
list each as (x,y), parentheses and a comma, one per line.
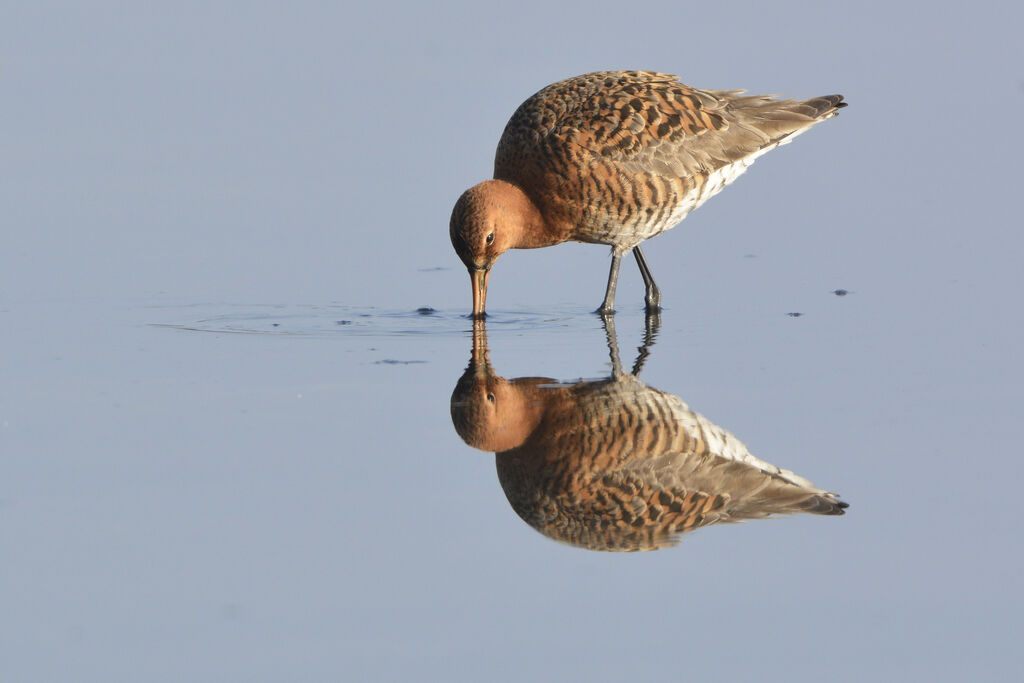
(489,219)
(478,228)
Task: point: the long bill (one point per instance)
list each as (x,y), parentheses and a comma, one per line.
(479,276)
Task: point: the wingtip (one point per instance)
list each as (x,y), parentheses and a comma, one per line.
(829,504)
(840,507)
(830,104)
(825,106)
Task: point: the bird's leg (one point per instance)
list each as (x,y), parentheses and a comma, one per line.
(652,296)
(608,305)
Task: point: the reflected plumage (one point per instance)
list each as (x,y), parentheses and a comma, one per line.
(616,157)
(614,464)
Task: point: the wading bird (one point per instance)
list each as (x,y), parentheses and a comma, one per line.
(616,157)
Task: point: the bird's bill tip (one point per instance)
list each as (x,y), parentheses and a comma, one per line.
(479,277)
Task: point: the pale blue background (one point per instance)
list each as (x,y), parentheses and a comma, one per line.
(180,505)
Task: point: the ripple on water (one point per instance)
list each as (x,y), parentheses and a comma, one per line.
(336,320)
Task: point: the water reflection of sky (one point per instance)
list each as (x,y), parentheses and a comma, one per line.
(205,476)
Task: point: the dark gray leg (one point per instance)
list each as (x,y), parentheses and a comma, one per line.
(652,296)
(608,305)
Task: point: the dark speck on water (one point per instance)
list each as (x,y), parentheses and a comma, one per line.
(276,324)
(794,314)
(840,292)
(426,310)
(343,322)
(392,361)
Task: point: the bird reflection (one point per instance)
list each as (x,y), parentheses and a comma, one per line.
(613,464)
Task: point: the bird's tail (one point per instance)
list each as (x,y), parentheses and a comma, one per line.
(777,121)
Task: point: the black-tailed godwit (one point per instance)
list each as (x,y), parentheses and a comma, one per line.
(616,157)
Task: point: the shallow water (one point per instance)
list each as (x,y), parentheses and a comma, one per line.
(208,477)
(334,320)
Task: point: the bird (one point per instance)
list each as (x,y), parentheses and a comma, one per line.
(614,464)
(615,158)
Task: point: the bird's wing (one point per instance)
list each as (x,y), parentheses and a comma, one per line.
(647,122)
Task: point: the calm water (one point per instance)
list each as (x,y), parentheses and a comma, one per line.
(232,327)
(258,491)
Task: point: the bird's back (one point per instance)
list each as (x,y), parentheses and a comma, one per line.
(617,157)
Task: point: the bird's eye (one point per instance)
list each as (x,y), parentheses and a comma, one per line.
(490,397)
(490,238)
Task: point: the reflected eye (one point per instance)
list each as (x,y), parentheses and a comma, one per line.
(490,238)
(490,397)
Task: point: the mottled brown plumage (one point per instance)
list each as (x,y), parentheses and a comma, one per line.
(616,158)
(614,464)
